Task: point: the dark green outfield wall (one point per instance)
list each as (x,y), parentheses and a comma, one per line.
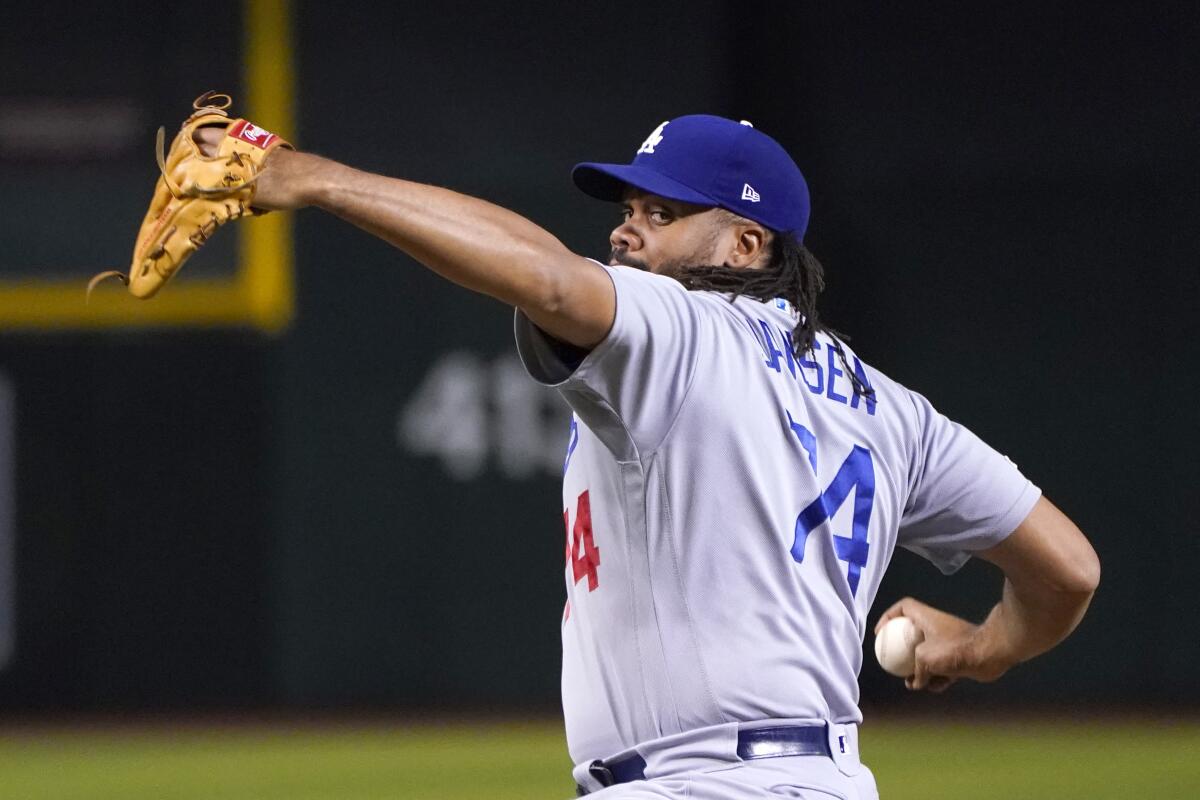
(364,512)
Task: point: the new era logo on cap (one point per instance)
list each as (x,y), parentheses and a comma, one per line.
(748,193)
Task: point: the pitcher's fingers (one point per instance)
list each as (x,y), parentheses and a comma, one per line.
(897,609)
(920,677)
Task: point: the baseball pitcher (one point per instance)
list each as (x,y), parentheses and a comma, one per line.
(737,478)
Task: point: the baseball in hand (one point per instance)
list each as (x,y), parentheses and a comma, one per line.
(896,647)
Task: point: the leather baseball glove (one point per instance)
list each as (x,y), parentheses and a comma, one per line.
(196,194)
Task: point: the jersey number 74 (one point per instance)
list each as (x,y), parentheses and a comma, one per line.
(857,474)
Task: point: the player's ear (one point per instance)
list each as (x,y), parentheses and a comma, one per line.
(749,247)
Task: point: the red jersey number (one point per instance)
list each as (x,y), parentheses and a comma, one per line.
(582,554)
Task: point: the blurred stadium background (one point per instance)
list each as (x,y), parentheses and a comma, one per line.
(291,530)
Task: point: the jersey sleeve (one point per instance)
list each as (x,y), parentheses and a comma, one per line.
(633,383)
(964,496)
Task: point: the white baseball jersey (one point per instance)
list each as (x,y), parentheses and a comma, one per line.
(730,511)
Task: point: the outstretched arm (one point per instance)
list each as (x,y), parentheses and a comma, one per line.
(1050,572)
(471,242)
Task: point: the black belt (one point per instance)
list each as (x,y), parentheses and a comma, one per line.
(774,742)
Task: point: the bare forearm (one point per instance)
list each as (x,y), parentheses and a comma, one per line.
(471,242)
(1030,620)
(1051,573)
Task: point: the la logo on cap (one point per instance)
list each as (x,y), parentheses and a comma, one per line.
(653,140)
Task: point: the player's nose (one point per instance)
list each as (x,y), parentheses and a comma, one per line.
(625,237)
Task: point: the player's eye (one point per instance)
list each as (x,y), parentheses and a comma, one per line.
(659,217)
(626,213)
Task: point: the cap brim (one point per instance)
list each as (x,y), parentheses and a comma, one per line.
(609,181)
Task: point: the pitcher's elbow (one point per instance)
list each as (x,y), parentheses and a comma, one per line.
(1085,575)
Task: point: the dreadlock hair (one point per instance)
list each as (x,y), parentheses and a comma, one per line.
(792,273)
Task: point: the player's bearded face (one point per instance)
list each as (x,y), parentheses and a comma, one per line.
(665,266)
(664,237)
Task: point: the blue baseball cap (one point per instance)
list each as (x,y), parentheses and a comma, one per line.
(710,161)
